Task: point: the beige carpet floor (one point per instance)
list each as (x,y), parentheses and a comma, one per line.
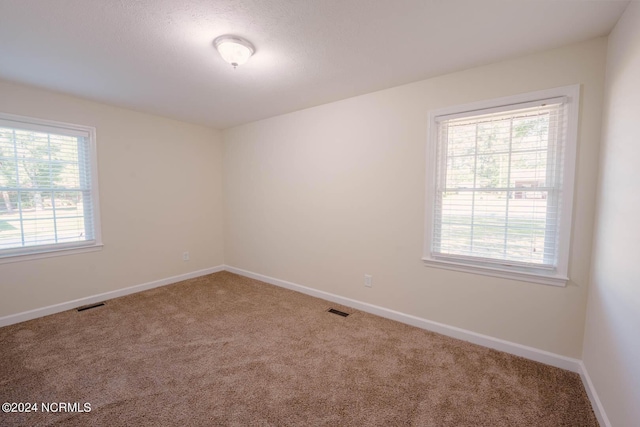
(227,350)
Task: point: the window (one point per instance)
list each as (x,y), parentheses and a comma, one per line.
(48,189)
(500,186)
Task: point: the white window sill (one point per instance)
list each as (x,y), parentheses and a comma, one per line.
(525,276)
(48,253)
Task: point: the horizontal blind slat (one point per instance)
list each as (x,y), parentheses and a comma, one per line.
(498,175)
(45,185)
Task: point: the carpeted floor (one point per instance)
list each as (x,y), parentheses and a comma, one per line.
(227,350)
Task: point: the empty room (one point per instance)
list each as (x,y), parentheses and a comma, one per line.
(308,213)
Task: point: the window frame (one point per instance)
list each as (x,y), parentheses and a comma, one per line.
(69,248)
(559,276)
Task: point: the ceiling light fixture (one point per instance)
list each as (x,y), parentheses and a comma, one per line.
(233,49)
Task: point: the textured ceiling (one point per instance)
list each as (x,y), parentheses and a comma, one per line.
(157,55)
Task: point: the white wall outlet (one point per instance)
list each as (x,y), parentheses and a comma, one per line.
(185,256)
(368,280)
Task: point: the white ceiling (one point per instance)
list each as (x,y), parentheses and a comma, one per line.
(157,55)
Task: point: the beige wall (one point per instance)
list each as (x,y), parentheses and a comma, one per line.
(322,196)
(160,194)
(319,197)
(612,336)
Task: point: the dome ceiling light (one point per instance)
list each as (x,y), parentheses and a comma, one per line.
(233,49)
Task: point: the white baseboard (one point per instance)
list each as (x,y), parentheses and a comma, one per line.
(57,308)
(530,353)
(596,404)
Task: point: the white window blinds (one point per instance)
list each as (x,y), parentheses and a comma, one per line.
(46,191)
(498,185)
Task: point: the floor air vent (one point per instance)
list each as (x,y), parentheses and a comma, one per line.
(87,307)
(338,312)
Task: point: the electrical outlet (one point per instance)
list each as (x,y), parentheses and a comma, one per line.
(185,256)
(368,280)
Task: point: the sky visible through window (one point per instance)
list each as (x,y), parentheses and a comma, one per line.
(495,190)
(42,188)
